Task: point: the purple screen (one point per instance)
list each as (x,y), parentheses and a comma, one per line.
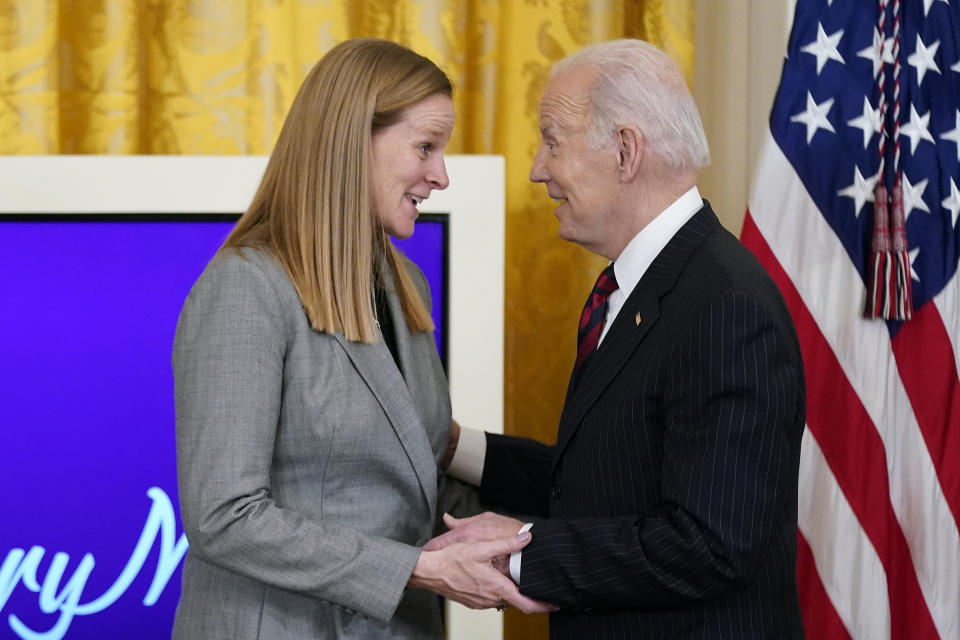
(90,537)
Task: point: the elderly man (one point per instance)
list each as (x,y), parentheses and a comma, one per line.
(668,506)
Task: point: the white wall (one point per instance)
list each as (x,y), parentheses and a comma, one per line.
(739,49)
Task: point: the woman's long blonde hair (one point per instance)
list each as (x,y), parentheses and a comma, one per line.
(312,210)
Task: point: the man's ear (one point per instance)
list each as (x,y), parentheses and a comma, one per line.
(630,150)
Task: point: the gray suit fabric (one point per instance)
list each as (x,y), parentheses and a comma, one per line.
(307,464)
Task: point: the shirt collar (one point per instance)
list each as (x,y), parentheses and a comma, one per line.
(641,251)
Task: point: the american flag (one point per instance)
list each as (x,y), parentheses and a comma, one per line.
(879,504)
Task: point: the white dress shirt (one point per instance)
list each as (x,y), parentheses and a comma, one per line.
(628,268)
(640,252)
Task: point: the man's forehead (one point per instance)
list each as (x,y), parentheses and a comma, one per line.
(566,99)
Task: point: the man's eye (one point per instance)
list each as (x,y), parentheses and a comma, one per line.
(424,148)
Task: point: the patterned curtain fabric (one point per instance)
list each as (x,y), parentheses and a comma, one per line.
(217,76)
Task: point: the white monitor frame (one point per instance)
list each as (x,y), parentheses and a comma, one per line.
(226,184)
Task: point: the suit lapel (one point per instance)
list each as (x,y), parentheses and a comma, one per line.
(627,332)
(375,365)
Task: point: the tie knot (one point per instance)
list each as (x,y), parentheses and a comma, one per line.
(606,282)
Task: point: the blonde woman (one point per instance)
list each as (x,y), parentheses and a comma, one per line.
(312,410)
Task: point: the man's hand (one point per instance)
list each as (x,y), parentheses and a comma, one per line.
(451,445)
(481,528)
(464,573)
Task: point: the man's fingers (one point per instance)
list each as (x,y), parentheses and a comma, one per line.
(514,598)
(485,549)
(466,574)
(503,546)
(450,521)
(508,594)
(453,523)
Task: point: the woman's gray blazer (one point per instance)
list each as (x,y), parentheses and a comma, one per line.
(307,465)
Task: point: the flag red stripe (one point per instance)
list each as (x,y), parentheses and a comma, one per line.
(854,451)
(928,370)
(820,619)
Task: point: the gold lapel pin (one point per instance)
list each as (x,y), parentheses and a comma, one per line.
(638,319)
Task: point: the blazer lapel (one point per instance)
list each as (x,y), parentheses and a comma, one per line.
(375,365)
(634,321)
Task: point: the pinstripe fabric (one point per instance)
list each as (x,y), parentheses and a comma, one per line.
(668,506)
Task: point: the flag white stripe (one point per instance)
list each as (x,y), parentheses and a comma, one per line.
(833,292)
(948,304)
(849,568)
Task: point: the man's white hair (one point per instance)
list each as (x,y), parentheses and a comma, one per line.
(638,84)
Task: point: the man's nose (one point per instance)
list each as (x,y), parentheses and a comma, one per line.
(538,172)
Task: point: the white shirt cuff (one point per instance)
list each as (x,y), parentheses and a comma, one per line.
(515,556)
(467,462)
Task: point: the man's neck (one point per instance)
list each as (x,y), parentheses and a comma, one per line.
(648,200)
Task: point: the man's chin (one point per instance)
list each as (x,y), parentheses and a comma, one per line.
(565,233)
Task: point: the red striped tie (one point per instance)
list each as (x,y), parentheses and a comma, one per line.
(594,315)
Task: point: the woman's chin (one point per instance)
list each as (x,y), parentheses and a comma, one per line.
(401,233)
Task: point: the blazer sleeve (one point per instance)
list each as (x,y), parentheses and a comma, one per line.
(516,475)
(730,433)
(228,363)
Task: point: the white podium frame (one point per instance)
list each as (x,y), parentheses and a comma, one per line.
(226,184)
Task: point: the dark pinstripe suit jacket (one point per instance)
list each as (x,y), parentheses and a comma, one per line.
(668,506)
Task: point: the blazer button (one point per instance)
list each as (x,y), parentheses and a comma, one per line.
(555,493)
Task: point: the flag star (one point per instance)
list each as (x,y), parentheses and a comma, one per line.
(815,116)
(913,196)
(861,190)
(956,67)
(953,203)
(825,47)
(922,59)
(954,135)
(926,6)
(917,129)
(913,257)
(869,122)
(879,52)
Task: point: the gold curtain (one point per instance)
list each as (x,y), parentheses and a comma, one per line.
(217,76)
